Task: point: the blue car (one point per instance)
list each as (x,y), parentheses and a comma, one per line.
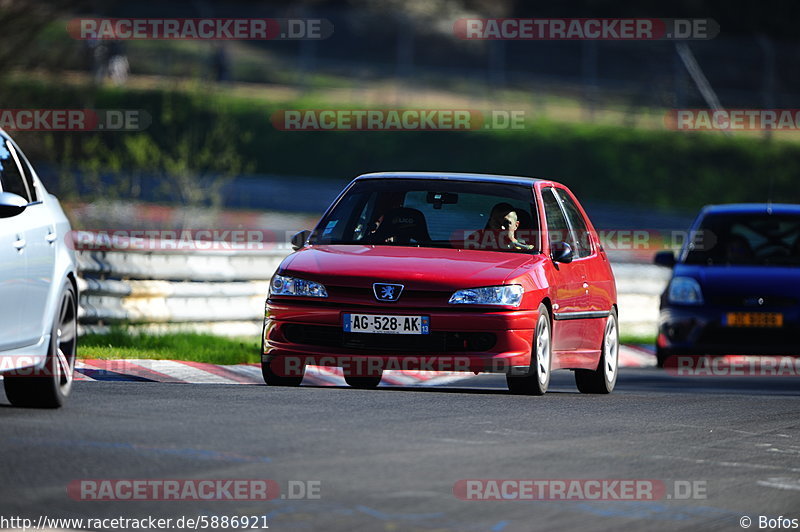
(735,286)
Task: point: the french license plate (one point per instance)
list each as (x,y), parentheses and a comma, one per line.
(754,319)
(386,324)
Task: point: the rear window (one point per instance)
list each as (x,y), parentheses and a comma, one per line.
(747,239)
(431,213)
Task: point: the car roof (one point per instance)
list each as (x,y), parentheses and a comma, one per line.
(752,208)
(452,176)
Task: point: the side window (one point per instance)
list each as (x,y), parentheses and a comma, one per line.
(27,170)
(11,178)
(557,227)
(583,242)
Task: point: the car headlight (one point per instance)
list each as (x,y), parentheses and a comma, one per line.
(509,295)
(291,286)
(685,291)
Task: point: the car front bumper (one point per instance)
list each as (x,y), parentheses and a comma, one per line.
(685,330)
(474,340)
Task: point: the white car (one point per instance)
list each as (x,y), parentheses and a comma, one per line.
(38,289)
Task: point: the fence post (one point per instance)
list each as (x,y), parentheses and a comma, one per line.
(497,65)
(679,80)
(405,53)
(768,79)
(589,71)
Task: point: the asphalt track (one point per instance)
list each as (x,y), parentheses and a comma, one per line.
(388,459)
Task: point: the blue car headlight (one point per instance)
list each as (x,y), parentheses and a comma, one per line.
(685,291)
(507,295)
(291,286)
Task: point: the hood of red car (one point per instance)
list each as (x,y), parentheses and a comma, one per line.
(417,268)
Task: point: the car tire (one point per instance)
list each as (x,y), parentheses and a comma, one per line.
(661,356)
(537,379)
(603,379)
(364,383)
(49,386)
(273,379)
(682,356)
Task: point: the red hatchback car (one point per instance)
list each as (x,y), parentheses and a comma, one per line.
(446,272)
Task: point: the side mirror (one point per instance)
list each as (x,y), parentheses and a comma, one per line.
(11,204)
(561,252)
(664,258)
(299,240)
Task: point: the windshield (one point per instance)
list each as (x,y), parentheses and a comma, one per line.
(747,239)
(433,213)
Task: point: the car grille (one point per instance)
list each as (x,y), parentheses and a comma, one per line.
(435,342)
(362,296)
(752,301)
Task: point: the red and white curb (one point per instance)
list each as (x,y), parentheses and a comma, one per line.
(185,372)
(636,356)
(179,371)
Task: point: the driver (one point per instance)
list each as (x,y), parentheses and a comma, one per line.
(501,230)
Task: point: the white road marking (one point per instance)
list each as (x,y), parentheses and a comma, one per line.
(781,483)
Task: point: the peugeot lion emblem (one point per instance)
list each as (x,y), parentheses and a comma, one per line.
(387,292)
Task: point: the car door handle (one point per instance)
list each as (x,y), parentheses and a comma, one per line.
(51,236)
(20,243)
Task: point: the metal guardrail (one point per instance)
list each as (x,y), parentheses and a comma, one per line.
(639,287)
(189,288)
(224,291)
